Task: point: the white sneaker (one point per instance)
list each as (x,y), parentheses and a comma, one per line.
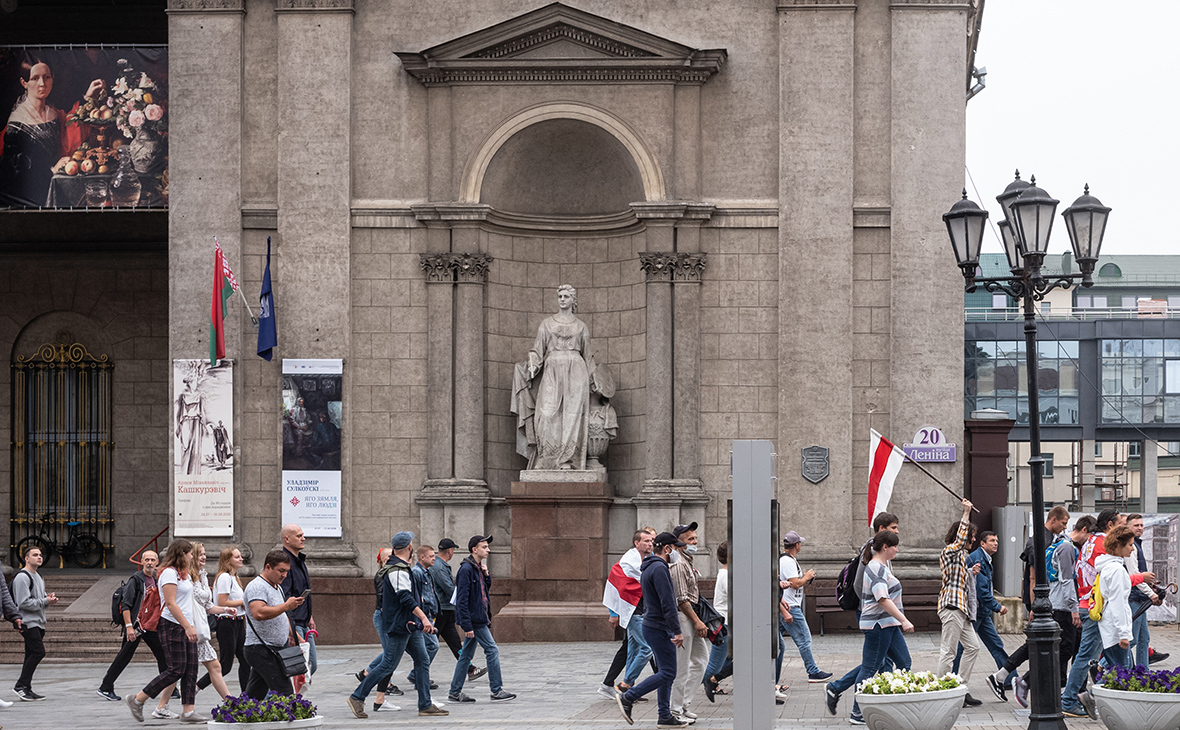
(780,695)
(163,713)
(387,707)
(607,692)
(438,704)
(689,714)
(5,703)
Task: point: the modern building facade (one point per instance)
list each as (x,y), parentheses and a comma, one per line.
(746,195)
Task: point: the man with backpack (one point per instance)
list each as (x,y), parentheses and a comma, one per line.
(848,588)
(125,605)
(28,592)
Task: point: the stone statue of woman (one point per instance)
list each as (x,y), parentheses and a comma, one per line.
(554,437)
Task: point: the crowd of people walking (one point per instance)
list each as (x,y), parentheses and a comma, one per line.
(653,593)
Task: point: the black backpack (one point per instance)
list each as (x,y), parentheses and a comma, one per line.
(845,585)
(117,605)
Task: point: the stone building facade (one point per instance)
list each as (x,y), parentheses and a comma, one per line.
(747,196)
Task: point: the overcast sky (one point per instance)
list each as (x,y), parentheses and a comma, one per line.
(1081,91)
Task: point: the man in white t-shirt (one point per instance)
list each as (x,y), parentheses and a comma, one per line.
(792,579)
(267,627)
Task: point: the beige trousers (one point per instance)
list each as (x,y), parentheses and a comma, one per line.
(691,659)
(956,629)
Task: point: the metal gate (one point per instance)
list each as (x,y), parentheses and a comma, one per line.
(62,444)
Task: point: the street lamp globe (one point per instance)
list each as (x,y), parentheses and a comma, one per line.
(1011,247)
(1032,219)
(1006,198)
(965,222)
(1085,221)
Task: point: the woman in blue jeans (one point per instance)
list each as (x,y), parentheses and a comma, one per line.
(882,619)
(720,665)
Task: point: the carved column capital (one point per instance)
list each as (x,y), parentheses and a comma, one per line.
(660,266)
(449,267)
(471,267)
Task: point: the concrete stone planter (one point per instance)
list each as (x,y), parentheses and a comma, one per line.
(915,711)
(1122,710)
(316,721)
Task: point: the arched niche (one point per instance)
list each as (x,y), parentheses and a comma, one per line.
(562,167)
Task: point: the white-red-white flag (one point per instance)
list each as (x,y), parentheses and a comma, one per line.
(885,462)
(622,592)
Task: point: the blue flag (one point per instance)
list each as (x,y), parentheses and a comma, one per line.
(267,334)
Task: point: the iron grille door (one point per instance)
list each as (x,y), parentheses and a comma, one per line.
(62,446)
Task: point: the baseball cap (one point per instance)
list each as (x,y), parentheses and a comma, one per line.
(679,530)
(402,540)
(666,538)
(477,539)
(792,538)
(446,544)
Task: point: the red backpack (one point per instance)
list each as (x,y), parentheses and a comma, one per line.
(149,610)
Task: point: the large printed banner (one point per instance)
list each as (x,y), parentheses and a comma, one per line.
(203,459)
(312,422)
(84,127)
(1161,547)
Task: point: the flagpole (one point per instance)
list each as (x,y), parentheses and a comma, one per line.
(251,311)
(936,479)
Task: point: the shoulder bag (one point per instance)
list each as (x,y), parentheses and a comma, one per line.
(290,658)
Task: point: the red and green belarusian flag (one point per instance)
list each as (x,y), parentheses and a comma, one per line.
(224,286)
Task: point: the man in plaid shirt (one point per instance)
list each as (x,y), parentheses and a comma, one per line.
(957,602)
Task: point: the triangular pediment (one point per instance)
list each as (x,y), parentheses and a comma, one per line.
(557,43)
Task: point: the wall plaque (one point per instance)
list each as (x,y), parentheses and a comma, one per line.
(815,465)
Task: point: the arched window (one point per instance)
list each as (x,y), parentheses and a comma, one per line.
(1110,270)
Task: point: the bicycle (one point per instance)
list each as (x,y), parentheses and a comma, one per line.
(85,550)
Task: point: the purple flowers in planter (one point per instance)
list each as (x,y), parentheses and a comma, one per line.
(272,708)
(1141,679)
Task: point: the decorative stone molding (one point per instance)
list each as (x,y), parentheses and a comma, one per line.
(451,213)
(534,48)
(206,6)
(314,6)
(671,491)
(260,216)
(816,5)
(871,216)
(674,267)
(450,267)
(931,5)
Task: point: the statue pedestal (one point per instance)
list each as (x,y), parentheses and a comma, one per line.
(559,545)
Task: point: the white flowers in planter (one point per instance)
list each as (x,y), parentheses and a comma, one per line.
(905,682)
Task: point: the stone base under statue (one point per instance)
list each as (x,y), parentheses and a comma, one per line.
(563,475)
(559,545)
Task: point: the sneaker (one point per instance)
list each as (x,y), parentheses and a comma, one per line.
(779,701)
(163,713)
(996,688)
(1157,656)
(103,693)
(194,717)
(393,690)
(606,691)
(460,697)
(833,699)
(433,711)
(856,720)
(682,718)
(710,688)
(1094,671)
(1072,710)
(136,708)
(360,676)
(819,677)
(6,703)
(688,714)
(624,707)
(175,694)
(433,685)
(969,701)
(669,723)
(780,695)
(385,707)
(473,673)
(503,696)
(357,707)
(1087,701)
(1021,688)
(27,694)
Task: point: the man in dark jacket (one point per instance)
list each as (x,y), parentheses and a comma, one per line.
(986,603)
(473,585)
(661,628)
(425,585)
(444,588)
(403,620)
(296,582)
(133,593)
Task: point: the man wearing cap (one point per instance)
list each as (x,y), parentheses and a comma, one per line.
(792,579)
(403,620)
(693,656)
(444,588)
(473,585)
(661,629)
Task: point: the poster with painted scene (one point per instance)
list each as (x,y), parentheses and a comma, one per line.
(203,448)
(1161,548)
(312,424)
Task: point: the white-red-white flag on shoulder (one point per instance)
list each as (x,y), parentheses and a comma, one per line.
(622,592)
(885,462)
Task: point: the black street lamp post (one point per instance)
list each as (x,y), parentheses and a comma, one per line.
(1025,233)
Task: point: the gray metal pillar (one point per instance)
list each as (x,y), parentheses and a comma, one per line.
(1149,501)
(752,568)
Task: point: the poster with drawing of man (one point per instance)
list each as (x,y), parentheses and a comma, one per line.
(203,460)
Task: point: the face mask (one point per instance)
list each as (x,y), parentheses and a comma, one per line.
(690,549)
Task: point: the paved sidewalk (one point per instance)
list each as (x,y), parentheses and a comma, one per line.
(556,685)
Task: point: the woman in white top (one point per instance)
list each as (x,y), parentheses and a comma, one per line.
(178,635)
(1115,585)
(231,630)
(720,666)
(203,606)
